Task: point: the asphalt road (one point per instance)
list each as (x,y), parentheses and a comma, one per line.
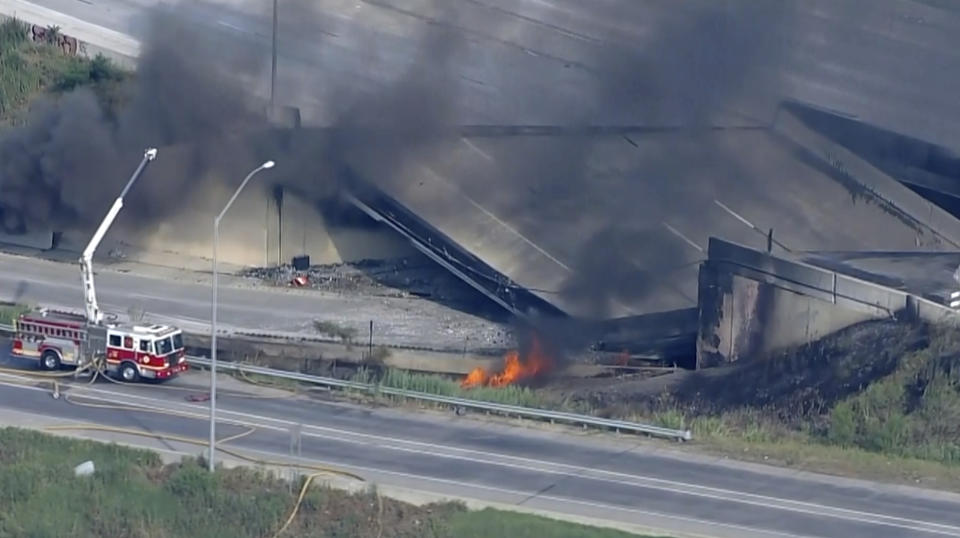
(617,478)
(553,61)
(184,298)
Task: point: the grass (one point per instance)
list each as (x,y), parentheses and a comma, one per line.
(29,69)
(10,311)
(330,328)
(443,386)
(133,494)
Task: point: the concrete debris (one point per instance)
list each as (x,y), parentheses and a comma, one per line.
(466,319)
(391,278)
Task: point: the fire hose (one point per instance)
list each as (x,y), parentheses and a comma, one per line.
(99,371)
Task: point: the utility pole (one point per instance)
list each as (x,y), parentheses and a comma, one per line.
(278,198)
(273,70)
(266,233)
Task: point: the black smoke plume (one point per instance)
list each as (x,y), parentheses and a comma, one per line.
(65,166)
(701,66)
(696,63)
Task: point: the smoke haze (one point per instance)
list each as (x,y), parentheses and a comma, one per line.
(68,164)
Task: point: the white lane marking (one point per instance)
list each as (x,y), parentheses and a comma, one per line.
(496,219)
(686,239)
(582,472)
(239,29)
(735,215)
(477,149)
(360,469)
(138,407)
(231,26)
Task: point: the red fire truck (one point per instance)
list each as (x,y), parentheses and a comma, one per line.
(58,339)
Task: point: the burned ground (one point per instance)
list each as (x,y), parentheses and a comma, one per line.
(805,382)
(881,386)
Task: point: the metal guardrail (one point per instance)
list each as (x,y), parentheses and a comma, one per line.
(514,410)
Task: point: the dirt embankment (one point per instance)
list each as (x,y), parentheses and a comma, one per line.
(884,387)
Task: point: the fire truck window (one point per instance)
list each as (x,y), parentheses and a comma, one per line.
(115,340)
(128,342)
(145,346)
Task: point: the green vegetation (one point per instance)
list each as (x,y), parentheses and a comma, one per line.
(444,386)
(133,494)
(10,312)
(880,397)
(29,69)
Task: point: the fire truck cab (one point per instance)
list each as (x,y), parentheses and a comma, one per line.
(149,351)
(57,339)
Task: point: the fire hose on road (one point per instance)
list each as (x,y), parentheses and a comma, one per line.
(317,471)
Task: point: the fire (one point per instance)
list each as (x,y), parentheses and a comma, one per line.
(477,377)
(515,369)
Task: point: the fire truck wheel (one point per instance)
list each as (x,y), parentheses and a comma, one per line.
(129,373)
(50,360)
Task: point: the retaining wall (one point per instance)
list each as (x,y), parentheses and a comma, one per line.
(752,302)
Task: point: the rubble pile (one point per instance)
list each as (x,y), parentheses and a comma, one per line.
(390,278)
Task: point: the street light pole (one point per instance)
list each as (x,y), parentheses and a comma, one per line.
(213,316)
(273,70)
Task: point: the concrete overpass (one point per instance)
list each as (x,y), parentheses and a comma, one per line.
(614,226)
(615,223)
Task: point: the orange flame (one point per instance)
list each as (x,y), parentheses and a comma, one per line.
(514,369)
(477,377)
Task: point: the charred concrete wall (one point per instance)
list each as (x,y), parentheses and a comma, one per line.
(752,303)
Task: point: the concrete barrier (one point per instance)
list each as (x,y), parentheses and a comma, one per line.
(77,36)
(42,240)
(751,302)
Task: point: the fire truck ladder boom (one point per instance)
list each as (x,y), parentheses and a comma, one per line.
(91,307)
